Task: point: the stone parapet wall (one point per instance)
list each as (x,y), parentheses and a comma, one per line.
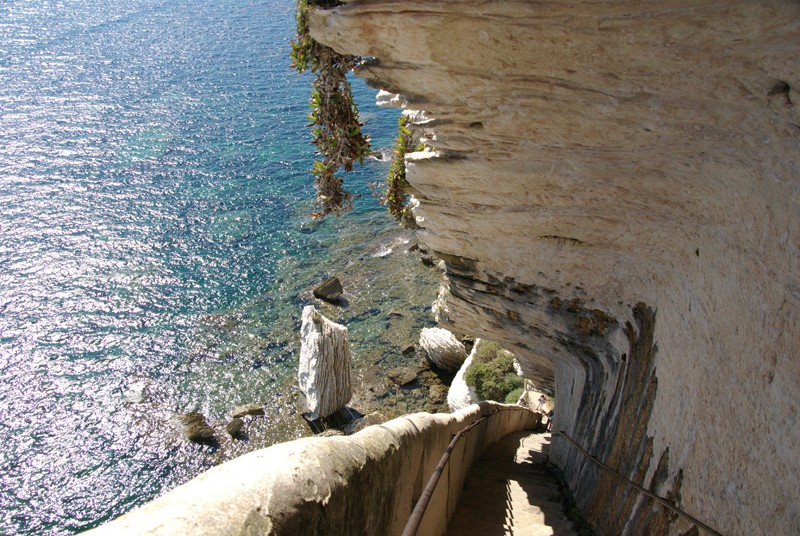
(367,483)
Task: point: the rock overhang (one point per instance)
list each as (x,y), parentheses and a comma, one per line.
(596,164)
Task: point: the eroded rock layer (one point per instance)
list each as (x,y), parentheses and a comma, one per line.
(613,187)
(324,370)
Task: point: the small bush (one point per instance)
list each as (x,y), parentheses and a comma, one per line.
(492,373)
(486,352)
(513,396)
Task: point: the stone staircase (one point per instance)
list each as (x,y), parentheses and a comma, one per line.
(509,491)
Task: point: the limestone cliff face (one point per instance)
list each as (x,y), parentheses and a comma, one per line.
(615,191)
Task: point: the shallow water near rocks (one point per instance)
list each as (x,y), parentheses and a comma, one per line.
(156,249)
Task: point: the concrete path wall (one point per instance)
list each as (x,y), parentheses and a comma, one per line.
(367,483)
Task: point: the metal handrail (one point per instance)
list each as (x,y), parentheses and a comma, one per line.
(414,521)
(647,492)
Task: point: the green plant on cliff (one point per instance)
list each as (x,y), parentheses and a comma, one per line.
(514,396)
(492,372)
(394,197)
(334,118)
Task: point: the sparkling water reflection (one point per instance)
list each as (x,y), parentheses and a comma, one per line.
(155,244)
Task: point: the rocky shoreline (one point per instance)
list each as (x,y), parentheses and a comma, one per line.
(384,297)
(379,395)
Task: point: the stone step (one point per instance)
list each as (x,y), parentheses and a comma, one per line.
(510,492)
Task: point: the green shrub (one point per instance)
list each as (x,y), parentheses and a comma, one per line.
(486,351)
(513,396)
(394,197)
(492,372)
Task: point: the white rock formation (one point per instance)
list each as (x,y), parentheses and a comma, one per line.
(518,368)
(592,163)
(461,395)
(442,347)
(324,371)
(390,100)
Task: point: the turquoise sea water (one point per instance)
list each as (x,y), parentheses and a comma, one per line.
(155,248)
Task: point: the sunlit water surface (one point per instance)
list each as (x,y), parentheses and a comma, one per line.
(155,245)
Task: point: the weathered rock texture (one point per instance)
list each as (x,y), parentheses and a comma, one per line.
(443,348)
(460,394)
(401,375)
(235,427)
(330,290)
(247,409)
(324,370)
(614,189)
(196,427)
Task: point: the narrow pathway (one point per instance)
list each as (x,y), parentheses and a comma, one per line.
(508,491)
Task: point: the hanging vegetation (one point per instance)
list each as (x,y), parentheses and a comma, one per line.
(334,119)
(394,197)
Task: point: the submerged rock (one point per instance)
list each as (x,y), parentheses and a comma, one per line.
(324,370)
(437,393)
(235,427)
(196,427)
(330,290)
(247,409)
(442,347)
(137,392)
(402,375)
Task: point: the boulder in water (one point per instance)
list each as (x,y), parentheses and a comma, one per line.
(137,392)
(247,409)
(330,290)
(402,375)
(324,371)
(437,393)
(443,349)
(235,427)
(196,427)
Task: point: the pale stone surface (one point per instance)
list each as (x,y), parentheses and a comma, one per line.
(324,370)
(461,395)
(442,347)
(590,156)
